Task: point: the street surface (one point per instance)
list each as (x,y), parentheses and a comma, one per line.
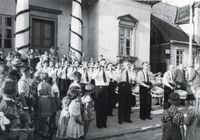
(147,135)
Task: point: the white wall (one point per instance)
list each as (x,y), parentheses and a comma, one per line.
(174,47)
(108,33)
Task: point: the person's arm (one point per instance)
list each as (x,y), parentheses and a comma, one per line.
(139,80)
(182,132)
(22,92)
(165,81)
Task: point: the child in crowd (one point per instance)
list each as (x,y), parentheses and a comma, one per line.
(173,120)
(63,119)
(88,106)
(75,129)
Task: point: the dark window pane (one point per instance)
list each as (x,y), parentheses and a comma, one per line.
(0,42)
(8,33)
(8,21)
(0,32)
(36,41)
(1,20)
(7,43)
(47,43)
(47,31)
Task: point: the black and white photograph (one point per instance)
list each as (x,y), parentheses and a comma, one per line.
(99,69)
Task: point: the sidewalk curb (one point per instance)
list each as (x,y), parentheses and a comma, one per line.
(121,133)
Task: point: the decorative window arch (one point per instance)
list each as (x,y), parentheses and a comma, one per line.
(127,35)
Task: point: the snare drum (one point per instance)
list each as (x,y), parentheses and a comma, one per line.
(182,94)
(157,91)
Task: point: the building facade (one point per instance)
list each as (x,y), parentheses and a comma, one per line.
(169,42)
(110,27)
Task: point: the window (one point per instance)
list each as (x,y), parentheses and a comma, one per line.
(179,56)
(43,33)
(125,40)
(6,31)
(127,27)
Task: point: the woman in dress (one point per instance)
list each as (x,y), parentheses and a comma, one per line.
(44,94)
(192,122)
(173,120)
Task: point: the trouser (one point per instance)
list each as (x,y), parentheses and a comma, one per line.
(64,86)
(111,97)
(167,92)
(124,109)
(101,103)
(145,102)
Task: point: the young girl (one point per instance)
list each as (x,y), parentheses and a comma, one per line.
(173,120)
(88,114)
(75,125)
(63,119)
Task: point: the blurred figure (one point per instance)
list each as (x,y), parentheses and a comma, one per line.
(192,122)
(168,85)
(173,120)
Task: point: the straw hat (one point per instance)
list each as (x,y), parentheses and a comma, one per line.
(17,63)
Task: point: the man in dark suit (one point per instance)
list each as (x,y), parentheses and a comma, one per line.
(179,77)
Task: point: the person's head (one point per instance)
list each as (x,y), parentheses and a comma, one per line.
(25,70)
(51,64)
(145,66)
(171,68)
(174,98)
(44,76)
(37,75)
(45,64)
(74,92)
(77,76)
(4,70)
(89,89)
(181,66)
(65,101)
(9,87)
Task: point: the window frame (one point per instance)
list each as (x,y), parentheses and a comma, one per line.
(48,19)
(178,55)
(127,23)
(3,30)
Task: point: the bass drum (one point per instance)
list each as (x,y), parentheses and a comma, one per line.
(182,94)
(157,91)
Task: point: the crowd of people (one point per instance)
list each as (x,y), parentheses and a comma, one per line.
(66,93)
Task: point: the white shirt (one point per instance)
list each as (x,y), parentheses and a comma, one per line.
(167,78)
(98,77)
(24,86)
(122,76)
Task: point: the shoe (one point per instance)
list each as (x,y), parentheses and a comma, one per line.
(129,121)
(142,119)
(149,118)
(99,127)
(120,122)
(105,126)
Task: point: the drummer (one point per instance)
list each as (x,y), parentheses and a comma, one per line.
(168,84)
(145,97)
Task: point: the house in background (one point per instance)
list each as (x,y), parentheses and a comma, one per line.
(110,27)
(169,43)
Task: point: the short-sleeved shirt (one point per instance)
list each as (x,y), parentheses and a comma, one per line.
(24,87)
(75,108)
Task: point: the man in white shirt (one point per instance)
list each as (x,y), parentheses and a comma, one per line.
(101,96)
(124,79)
(168,85)
(145,97)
